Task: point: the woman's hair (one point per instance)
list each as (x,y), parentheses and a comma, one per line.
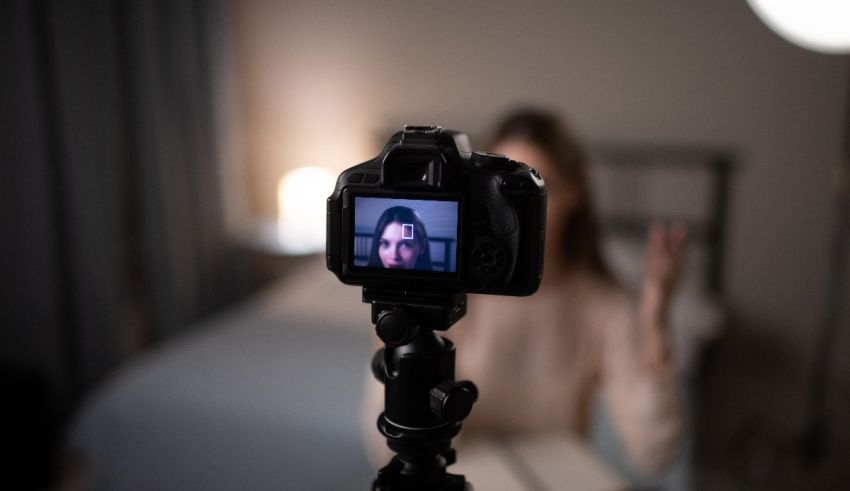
(400,214)
(579,238)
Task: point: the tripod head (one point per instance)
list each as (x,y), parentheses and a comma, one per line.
(424,405)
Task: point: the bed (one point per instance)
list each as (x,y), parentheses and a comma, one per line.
(266,395)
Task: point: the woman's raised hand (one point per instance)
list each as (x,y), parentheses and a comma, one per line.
(665,254)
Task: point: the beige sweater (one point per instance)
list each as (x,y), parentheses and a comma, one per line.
(538,361)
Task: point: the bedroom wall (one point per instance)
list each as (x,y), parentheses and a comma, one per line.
(320,79)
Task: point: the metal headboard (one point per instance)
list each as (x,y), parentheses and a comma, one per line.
(633,162)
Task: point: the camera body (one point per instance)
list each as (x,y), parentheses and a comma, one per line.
(430,215)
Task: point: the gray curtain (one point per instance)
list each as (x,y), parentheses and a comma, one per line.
(110,202)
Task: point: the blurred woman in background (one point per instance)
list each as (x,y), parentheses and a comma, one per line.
(539,361)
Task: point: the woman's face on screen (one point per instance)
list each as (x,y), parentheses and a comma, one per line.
(398,247)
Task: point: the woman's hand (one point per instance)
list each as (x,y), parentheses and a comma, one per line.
(665,253)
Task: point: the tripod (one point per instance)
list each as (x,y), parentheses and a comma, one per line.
(423,405)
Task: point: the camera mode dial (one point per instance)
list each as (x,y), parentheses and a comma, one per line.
(492,161)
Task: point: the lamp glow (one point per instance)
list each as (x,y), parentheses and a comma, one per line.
(301,205)
(818,25)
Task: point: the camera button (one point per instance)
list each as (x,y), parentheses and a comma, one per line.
(356,177)
(371,178)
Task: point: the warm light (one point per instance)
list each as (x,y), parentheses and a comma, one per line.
(301,205)
(818,25)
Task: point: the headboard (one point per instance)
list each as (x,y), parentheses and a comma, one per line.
(636,183)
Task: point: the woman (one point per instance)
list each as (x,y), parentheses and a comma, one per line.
(400,241)
(539,361)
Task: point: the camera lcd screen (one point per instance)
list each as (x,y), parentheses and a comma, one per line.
(406,234)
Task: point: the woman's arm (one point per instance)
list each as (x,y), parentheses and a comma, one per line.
(640,378)
(645,400)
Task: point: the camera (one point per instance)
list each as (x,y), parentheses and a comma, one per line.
(430,215)
(419,226)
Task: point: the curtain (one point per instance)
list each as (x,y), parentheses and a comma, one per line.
(111,212)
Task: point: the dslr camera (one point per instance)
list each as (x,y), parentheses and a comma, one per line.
(430,215)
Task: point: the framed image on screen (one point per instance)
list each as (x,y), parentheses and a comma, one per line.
(406,234)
